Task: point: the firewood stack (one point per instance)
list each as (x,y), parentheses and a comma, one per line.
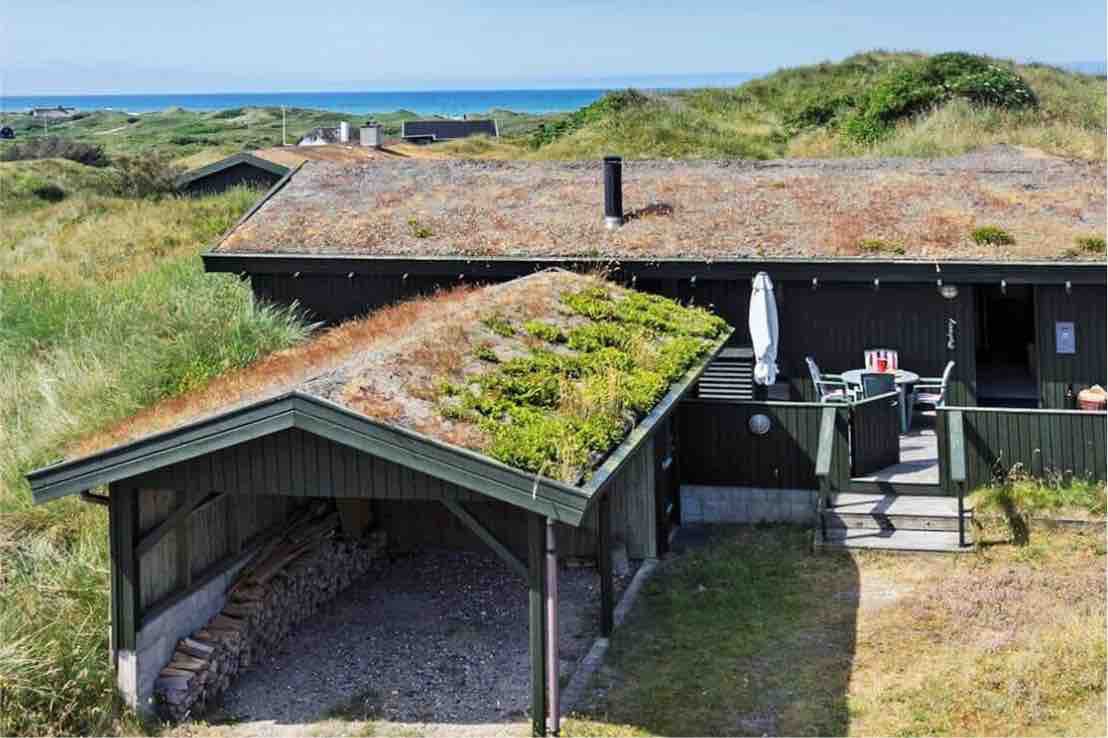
(284,583)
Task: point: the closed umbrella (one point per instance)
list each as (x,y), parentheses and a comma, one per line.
(763,330)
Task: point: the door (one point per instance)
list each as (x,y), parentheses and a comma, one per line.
(874,434)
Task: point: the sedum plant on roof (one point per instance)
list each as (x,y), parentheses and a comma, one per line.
(605,360)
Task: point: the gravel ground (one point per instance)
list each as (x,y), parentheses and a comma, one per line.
(433,638)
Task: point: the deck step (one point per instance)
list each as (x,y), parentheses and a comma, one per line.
(894,512)
(876,519)
(908,489)
(923,541)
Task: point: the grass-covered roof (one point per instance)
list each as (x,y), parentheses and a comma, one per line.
(547,373)
(882,208)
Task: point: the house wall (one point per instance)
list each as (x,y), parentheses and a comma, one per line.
(1086,308)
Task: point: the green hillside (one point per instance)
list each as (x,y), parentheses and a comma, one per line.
(872,104)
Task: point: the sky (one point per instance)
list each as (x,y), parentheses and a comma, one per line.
(128,46)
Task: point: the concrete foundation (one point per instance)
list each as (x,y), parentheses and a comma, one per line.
(702,504)
(158,638)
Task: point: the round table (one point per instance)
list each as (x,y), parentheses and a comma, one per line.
(903,379)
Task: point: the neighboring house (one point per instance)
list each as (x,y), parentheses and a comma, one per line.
(7,132)
(58,112)
(343,134)
(430,131)
(240,169)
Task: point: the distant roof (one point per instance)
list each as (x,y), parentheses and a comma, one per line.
(880,208)
(232,161)
(444,130)
(394,366)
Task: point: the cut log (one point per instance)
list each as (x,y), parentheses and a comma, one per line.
(194,648)
(188,663)
(169,671)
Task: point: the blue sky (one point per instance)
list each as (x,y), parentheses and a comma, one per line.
(247,45)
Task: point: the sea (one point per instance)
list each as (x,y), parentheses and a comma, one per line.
(451,103)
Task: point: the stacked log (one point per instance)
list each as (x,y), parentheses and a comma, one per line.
(285,583)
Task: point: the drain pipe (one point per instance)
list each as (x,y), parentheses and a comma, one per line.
(613,192)
(552,660)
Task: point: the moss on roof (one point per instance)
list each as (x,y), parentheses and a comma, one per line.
(547,373)
(924,209)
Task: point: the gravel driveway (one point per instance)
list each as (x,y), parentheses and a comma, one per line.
(431,638)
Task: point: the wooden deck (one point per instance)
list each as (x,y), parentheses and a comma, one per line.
(919,460)
(893,523)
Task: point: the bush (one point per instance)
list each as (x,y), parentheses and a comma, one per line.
(978,80)
(991,235)
(49,192)
(145,176)
(54,147)
(1091,244)
(1020,497)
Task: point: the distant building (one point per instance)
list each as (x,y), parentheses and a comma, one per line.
(429,131)
(343,134)
(58,112)
(7,132)
(240,169)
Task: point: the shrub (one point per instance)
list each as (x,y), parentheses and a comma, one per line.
(145,176)
(879,246)
(499,325)
(992,235)
(1020,497)
(485,352)
(978,80)
(49,192)
(1091,244)
(54,147)
(544,331)
(418,230)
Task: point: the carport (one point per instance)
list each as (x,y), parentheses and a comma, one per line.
(193,503)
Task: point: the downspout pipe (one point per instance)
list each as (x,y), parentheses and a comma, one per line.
(552,659)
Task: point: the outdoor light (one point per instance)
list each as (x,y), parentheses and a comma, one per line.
(759,424)
(949,291)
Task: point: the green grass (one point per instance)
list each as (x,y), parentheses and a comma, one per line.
(754,635)
(85,347)
(1020,498)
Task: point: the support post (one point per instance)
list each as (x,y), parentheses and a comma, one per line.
(552,660)
(604,564)
(125,589)
(536,580)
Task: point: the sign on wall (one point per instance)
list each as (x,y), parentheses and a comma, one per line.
(1065,341)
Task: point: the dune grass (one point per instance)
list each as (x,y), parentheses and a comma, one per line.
(104,309)
(800,112)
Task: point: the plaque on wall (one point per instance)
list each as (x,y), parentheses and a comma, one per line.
(1065,342)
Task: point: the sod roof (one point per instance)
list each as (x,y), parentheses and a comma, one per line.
(881,208)
(547,373)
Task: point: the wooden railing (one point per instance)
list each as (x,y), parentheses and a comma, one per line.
(1042,443)
(957,451)
(874,433)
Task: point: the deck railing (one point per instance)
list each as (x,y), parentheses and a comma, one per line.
(979,444)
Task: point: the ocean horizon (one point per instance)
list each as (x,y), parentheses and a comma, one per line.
(422,102)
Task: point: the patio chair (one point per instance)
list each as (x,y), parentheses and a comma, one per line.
(877,383)
(931,391)
(829,387)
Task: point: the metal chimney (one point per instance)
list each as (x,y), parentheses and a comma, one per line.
(613,192)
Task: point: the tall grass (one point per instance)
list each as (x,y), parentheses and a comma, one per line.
(82,348)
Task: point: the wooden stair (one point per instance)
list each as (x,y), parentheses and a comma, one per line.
(889,522)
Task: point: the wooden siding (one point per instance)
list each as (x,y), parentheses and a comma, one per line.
(300,464)
(835,324)
(1044,443)
(1085,307)
(718,448)
(875,434)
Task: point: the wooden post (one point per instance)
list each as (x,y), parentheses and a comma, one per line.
(536,579)
(604,564)
(123,512)
(552,660)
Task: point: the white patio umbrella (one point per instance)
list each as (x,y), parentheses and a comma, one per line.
(763,329)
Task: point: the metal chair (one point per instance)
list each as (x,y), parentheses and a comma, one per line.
(829,387)
(877,383)
(931,391)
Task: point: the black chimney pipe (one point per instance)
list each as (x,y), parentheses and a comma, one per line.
(613,191)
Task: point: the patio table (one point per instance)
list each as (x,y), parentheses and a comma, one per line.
(903,378)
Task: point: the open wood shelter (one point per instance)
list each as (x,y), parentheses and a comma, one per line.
(191,503)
